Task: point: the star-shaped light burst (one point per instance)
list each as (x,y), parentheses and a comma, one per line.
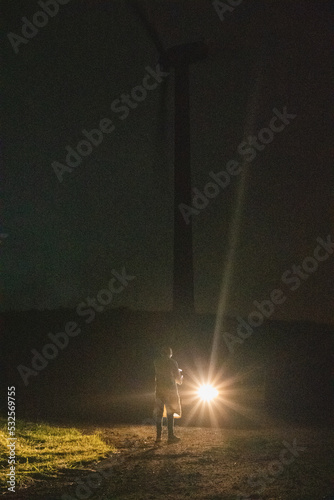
(214,396)
(207,393)
(203,394)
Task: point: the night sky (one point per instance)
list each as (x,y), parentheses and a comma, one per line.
(115,209)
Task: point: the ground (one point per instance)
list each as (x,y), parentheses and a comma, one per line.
(208,464)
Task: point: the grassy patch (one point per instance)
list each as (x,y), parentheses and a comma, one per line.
(41,450)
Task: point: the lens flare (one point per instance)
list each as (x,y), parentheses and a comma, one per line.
(207,392)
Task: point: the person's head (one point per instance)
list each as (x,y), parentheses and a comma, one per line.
(166,351)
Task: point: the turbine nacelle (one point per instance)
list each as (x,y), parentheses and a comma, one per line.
(185,54)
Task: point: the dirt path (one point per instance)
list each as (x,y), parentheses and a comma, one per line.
(208,464)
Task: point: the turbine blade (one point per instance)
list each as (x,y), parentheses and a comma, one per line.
(151,31)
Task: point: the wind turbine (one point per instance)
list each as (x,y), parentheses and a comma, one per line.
(179,58)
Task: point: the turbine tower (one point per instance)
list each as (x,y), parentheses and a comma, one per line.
(179,58)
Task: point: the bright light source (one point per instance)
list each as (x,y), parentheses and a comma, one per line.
(207,392)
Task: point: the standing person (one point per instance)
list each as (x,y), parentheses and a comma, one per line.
(167,376)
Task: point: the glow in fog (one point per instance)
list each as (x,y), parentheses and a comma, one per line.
(207,393)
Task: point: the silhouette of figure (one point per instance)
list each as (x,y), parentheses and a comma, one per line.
(167,377)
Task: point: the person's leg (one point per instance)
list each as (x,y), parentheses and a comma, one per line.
(159,427)
(170,426)
(158,412)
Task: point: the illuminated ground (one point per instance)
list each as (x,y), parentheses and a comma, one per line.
(208,464)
